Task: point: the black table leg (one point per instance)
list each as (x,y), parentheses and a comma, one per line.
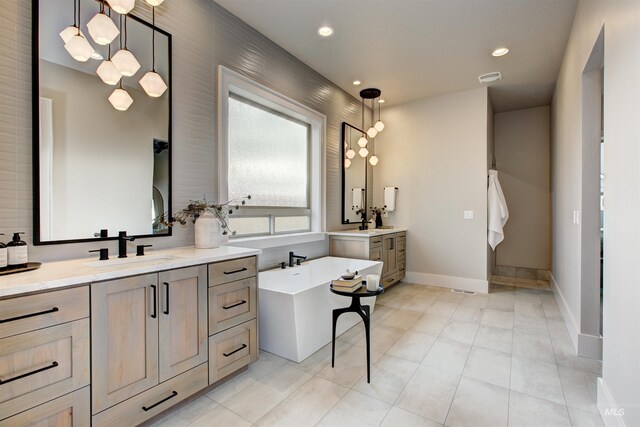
(364,312)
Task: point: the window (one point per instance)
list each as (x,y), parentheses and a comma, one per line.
(271,148)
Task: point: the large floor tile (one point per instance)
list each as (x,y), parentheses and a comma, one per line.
(400,418)
(468,313)
(533,346)
(566,356)
(306,406)
(321,358)
(444,308)
(222,417)
(429,393)
(494,338)
(447,355)
(584,419)
(463,332)
(579,389)
(412,346)
(526,308)
(402,319)
(187,414)
(530,325)
(478,404)
(389,376)
(497,319)
(536,378)
(430,323)
(262,396)
(502,301)
(450,296)
(381,339)
(350,366)
(529,411)
(356,409)
(490,366)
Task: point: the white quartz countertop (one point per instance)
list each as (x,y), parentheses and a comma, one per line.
(61,274)
(373,232)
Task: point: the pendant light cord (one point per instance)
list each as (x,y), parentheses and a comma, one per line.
(121,31)
(76,23)
(125,32)
(109,15)
(362,125)
(153,39)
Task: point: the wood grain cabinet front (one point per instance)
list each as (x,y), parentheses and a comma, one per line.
(232,349)
(232,270)
(70,410)
(231,304)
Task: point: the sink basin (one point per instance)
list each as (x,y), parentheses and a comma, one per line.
(130,260)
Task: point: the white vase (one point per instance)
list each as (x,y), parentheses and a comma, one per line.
(207,231)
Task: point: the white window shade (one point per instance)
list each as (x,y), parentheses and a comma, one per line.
(268,156)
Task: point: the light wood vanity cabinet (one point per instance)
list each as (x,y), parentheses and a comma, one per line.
(146,330)
(389,248)
(44,355)
(233,302)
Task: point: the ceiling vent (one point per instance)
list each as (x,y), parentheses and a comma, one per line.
(490,77)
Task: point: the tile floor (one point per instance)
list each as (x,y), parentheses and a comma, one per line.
(439,358)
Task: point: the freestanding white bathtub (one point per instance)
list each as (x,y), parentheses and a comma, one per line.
(296,305)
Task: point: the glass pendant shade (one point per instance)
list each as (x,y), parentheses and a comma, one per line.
(347,163)
(379,126)
(363,152)
(126,62)
(362,142)
(122,6)
(102,29)
(154,3)
(79,48)
(69,32)
(120,99)
(153,84)
(350,153)
(372,132)
(97,56)
(108,72)
(373,160)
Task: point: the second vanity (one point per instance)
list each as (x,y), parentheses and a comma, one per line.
(380,244)
(118,343)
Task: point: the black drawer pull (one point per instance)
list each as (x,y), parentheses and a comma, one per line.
(53,365)
(166,311)
(26,316)
(227,307)
(173,394)
(155,302)
(236,271)
(235,351)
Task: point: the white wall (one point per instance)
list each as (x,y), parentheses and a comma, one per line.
(491,148)
(435,151)
(621,335)
(523,161)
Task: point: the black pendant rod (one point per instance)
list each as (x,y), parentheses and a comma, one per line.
(74,21)
(153,39)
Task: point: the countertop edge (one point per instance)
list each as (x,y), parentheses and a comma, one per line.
(358,233)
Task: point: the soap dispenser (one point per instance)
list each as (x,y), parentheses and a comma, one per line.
(17,256)
(3,255)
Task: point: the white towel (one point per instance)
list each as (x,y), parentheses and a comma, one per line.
(356,198)
(390,198)
(497,212)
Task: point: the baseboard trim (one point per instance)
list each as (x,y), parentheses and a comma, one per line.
(611,414)
(569,320)
(452,282)
(585,345)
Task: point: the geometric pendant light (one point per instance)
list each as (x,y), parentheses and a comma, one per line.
(124,59)
(152,83)
(155,3)
(77,45)
(120,99)
(101,28)
(122,6)
(372,132)
(107,71)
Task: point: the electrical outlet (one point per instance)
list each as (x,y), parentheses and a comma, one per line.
(468,214)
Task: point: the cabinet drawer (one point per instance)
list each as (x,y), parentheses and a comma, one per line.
(155,400)
(231,304)
(375,242)
(389,280)
(402,244)
(401,256)
(232,349)
(375,254)
(43,364)
(70,410)
(24,314)
(232,270)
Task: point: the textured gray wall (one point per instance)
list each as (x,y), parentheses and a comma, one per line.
(204,35)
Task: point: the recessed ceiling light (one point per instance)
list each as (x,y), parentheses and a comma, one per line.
(501,51)
(380,101)
(356,82)
(325,31)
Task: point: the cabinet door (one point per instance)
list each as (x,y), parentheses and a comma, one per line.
(389,255)
(183,320)
(124,345)
(71,410)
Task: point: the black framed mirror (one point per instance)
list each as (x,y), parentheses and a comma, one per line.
(354,176)
(96,167)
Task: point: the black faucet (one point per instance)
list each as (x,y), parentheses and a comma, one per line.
(363,216)
(293,256)
(122,243)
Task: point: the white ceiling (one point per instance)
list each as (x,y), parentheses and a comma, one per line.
(412,49)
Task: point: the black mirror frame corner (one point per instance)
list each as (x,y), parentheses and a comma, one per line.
(35,108)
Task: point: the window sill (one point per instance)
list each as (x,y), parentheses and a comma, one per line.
(266,242)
